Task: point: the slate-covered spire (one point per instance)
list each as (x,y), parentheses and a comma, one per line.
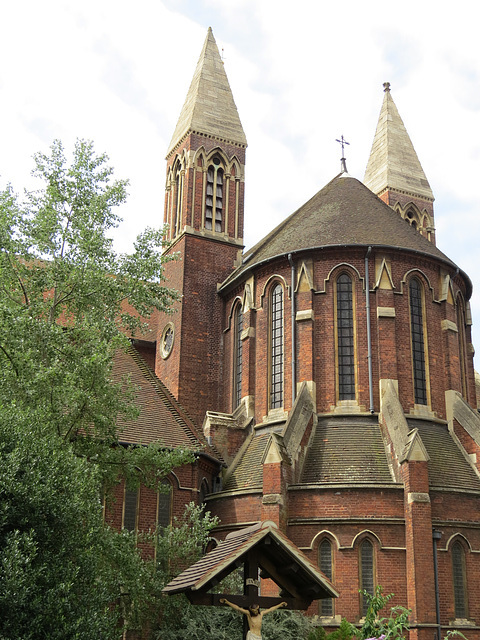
(394,172)
(209,107)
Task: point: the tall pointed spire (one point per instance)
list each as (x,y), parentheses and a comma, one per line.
(394,172)
(209,107)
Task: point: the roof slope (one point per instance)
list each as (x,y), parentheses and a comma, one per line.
(248,471)
(347,450)
(344,213)
(393,162)
(209,107)
(447,467)
(272,546)
(161,418)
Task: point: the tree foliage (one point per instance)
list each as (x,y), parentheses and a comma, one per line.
(68,302)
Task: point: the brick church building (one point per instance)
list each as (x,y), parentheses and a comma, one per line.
(326,374)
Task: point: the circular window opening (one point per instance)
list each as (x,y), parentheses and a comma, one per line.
(216,161)
(168,336)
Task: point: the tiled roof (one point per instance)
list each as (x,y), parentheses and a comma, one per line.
(344,213)
(248,471)
(447,466)
(347,450)
(270,543)
(161,418)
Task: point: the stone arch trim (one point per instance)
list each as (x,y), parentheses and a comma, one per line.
(411,273)
(321,535)
(366,534)
(269,285)
(237,300)
(337,270)
(457,537)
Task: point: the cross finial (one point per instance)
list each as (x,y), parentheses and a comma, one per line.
(386,87)
(343,162)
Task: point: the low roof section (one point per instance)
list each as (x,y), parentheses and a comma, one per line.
(161,418)
(262,544)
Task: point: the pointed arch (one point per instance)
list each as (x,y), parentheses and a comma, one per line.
(215,191)
(459,578)
(237,355)
(164,504)
(326,563)
(204,491)
(367,571)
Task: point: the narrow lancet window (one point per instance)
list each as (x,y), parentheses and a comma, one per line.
(345,338)
(130,508)
(276,346)
(462,346)
(164,505)
(325,562)
(237,386)
(418,342)
(459,581)
(367,573)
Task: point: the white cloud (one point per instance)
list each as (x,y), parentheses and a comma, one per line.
(302,74)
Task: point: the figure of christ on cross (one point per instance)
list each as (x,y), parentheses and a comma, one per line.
(254,617)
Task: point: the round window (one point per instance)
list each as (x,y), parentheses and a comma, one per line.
(168,336)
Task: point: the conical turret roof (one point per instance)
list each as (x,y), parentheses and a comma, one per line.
(209,107)
(393,163)
(345,213)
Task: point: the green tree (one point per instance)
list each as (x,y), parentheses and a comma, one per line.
(68,302)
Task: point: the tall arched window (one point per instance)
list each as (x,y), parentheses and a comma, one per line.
(418,341)
(325,562)
(462,346)
(237,361)
(345,338)
(276,347)
(367,573)
(459,581)
(164,505)
(177,218)
(130,508)
(214,196)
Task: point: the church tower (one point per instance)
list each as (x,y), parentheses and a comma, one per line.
(204,209)
(394,172)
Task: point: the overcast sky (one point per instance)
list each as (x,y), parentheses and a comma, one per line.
(302,73)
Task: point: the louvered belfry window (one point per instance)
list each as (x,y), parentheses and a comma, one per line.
(418,341)
(459,581)
(214,196)
(325,562)
(345,338)
(238,355)
(367,580)
(276,358)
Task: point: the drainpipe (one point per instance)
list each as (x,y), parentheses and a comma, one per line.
(436,535)
(369,333)
(294,351)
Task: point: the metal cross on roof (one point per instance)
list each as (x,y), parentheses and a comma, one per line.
(343,142)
